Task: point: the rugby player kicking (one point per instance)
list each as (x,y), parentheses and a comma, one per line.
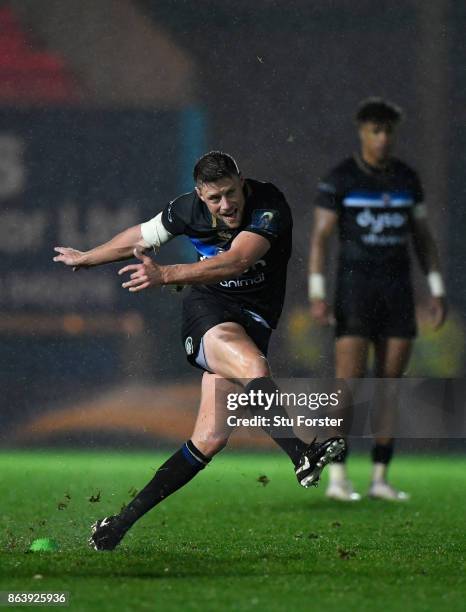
(376,202)
(242,231)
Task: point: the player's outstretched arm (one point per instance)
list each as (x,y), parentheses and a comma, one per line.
(119,248)
(429,260)
(325,222)
(246,249)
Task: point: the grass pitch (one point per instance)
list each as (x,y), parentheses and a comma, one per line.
(228,541)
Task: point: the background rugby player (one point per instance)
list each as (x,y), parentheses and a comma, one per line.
(242,231)
(376,202)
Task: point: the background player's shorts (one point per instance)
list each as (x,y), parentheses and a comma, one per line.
(374,305)
(202,311)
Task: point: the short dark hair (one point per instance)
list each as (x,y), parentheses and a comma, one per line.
(214,166)
(378,110)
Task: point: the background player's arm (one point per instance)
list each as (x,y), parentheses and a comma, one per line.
(429,260)
(120,247)
(246,249)
(325,222)
(425,246)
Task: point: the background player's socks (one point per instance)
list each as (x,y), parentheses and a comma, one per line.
(379,472)
(337,472)
(283,436)
(340,486)
(381,457)
(379,488)
(177,471)
(337,469)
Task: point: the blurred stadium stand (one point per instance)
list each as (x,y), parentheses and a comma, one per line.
(87,148)
(122,59)
(30,75)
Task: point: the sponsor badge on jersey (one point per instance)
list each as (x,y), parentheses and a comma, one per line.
(265,220)
(386,199)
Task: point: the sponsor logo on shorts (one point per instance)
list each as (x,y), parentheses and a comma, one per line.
(189,345)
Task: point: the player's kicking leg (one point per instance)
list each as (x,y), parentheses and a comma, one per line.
(231,352)
(232,355)
(209,437)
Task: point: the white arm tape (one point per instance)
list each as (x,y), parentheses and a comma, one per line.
(436,284)
(154,232)
(420,211)
(316,287)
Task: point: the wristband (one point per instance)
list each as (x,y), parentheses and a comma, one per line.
(436,285)
(316,287)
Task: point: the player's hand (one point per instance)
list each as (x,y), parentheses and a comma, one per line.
(70,257)
(143,275)
(438,311)
(320,312)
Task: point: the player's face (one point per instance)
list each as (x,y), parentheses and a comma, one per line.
(224,199)
(377,140)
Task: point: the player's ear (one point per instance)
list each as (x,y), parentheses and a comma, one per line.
(199,193)
(361,130)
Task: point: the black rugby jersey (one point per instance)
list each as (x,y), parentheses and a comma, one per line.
(375,209)
(261,288)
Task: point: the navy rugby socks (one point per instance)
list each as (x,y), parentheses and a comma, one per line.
(177,471)
(382,453)
(283,436)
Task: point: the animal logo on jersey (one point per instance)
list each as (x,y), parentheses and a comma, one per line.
(249,278)
(265,220)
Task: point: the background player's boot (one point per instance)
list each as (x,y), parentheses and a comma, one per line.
(342,490)
(382,490)
(106,533)
(315,458)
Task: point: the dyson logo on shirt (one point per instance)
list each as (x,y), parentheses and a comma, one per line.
(380,221)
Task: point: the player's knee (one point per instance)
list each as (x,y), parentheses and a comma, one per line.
(211,443)
(255,366)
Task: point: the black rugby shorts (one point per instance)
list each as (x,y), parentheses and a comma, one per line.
(202,311)
(373,304)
